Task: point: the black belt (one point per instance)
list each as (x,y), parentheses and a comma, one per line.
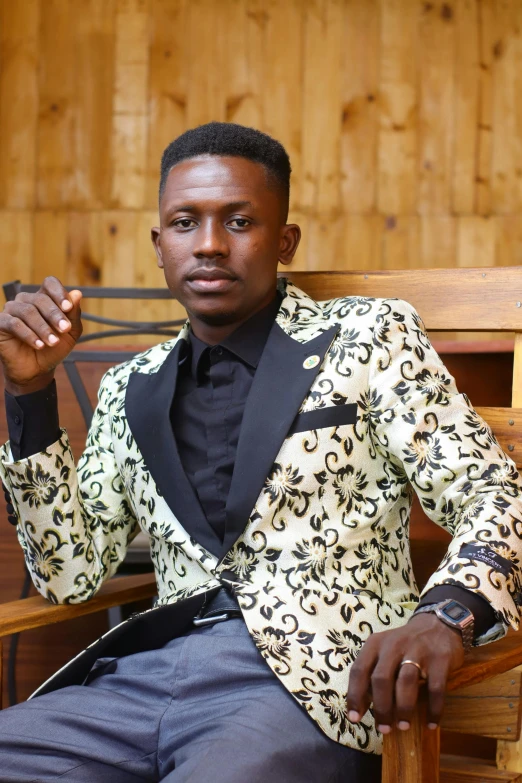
(223,606)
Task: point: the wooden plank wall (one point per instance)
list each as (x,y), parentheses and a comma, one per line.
(403,120)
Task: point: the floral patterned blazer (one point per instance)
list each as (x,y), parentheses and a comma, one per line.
(350,411)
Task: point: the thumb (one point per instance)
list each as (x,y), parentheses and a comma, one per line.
(75,315)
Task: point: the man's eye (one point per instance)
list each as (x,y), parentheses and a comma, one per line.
(184,223)
(239,222)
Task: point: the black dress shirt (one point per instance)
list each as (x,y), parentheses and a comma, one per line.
(207,411)
(206,415)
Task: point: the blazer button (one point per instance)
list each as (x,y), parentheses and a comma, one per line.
(10,508)
(12,519)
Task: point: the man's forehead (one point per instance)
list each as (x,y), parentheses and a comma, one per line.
(216,172)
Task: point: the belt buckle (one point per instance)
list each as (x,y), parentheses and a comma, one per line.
(217,618)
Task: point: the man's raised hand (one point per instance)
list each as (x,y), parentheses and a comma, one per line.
(37,332)
(377,675)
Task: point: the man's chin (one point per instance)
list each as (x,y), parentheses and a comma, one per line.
(216,317)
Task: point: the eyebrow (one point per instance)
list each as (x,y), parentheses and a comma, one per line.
(194,208)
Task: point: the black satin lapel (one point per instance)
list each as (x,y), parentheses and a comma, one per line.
(280,385)
(147,406)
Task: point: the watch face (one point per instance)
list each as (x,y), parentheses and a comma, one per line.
(456,611)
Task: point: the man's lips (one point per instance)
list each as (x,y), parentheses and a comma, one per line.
(210,280)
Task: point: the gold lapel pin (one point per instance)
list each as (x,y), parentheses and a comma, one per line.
(311,362)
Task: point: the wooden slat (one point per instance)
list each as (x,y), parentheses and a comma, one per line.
(19,27)
(509,756)
(437,242)
(75,104)
(453,299)
(398,104)
(168,83)
(281,28)
(360,106)
(489,709)
(466,97)
(205,98)
(460,769)
(400,243)
(506,424)
(118,234)
(93,56)
(35,612)
(242,74)
(486,36)
(507,137)
(129,126)
(16,237)
(50,232)
(412,756)
(437,74)
(516,399)
(508,239)
(324,45)
(476,244)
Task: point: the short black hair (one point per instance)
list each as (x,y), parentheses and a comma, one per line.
(228,138)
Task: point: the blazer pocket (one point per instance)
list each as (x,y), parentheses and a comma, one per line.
(332,416)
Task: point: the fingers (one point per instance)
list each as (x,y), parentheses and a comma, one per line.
(437,680)
(406,694)
(52,287)
(394,687)
(39,319)
(75,313)
(16,327)
(42,321)
(358,698)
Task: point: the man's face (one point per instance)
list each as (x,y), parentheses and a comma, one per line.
(221,236)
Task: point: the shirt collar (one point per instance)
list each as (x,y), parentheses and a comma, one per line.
(247,342)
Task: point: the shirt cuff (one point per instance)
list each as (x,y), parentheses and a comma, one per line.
(483,612)
(32,421)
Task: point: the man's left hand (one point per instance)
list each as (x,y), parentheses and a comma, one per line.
(377,675)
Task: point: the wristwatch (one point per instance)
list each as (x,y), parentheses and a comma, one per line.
(456,615)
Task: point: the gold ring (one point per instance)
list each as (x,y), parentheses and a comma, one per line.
(422,673)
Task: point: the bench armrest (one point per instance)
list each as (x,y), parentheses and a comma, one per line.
(34,612)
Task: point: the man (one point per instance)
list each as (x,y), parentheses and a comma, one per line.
(269,453)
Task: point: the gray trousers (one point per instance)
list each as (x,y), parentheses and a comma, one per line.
(205,708)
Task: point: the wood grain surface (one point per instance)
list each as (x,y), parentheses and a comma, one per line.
(36,612)
(401,119)
(476,300)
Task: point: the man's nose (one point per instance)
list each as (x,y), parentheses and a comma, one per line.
(211,241)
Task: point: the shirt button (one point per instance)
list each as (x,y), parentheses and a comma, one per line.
(17,419)
(219,351)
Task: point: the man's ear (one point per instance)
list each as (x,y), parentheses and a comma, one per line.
(155,236)
(290,237)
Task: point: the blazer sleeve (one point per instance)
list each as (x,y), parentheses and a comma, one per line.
(465,482)
(74,523)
